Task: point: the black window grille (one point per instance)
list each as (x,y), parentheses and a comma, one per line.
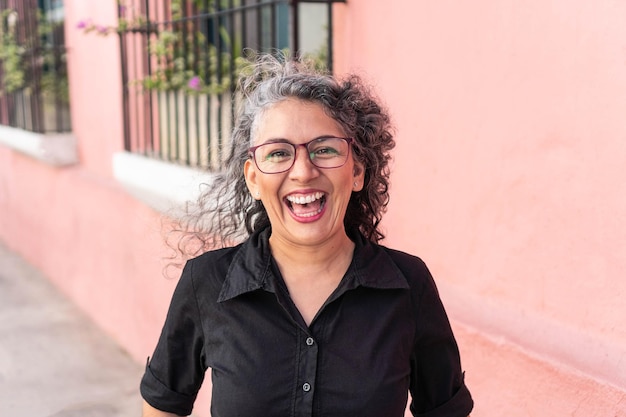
(180,62)
(33,68)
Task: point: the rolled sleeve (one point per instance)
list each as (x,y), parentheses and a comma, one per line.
(175,373)
(460,404)
(159,396)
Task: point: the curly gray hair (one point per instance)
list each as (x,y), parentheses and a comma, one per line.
(226,212)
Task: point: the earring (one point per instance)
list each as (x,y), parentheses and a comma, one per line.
(258,194)
(356,184)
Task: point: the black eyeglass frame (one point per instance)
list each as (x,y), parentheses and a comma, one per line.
(252,152)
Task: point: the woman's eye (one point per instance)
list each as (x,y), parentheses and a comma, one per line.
(278,154)
(326,151)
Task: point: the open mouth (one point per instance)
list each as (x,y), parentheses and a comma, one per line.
(308,205)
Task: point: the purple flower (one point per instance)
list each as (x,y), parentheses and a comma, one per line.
(82,24)
(102,29)
(122,9)
(194,83)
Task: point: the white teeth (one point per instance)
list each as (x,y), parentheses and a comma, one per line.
(305,199)
(315,213)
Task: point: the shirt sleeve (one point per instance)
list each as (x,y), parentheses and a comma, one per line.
(176,370)
(437,382)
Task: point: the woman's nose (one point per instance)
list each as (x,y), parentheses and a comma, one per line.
(302,165)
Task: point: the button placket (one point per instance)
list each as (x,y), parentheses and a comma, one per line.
(308,354)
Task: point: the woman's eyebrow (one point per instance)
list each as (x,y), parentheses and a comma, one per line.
(276,140)
(284,140)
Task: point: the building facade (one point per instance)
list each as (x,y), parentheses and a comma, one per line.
(506,180)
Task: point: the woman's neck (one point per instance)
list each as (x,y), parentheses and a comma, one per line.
(326,260)
(312,273)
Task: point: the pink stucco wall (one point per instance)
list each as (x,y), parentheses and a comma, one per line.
(511,128)
(506,180)
(507,175)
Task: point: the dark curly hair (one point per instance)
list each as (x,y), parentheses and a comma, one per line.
(226,213)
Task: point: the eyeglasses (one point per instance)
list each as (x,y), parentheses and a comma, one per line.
(324,152)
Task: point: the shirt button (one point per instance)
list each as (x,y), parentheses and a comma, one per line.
(309,341)
(306,387)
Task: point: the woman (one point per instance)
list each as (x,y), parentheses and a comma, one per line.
(309,316)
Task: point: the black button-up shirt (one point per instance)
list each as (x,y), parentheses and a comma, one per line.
(382,333)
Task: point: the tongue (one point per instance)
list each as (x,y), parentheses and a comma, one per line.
(304,209)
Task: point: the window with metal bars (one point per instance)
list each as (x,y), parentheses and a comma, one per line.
(180,63)
(33,69)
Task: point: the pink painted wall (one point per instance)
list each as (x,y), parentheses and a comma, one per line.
(508,170)
(95,92)
(507,181)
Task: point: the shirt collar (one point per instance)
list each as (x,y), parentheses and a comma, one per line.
(251,268)
(373,267)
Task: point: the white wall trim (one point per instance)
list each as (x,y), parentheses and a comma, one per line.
(164,186)
(58,149)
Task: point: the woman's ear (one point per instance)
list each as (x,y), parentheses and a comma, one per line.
(359,176)
(250,175)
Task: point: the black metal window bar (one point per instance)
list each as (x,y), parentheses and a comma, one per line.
(181,59)
(33,69)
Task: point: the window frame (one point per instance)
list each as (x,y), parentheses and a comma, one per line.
(174,123)
(37,98)
(35,109)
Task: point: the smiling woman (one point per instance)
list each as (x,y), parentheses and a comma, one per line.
(305,201)
(302,312)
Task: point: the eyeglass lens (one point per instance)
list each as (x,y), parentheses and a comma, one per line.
(328,152)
